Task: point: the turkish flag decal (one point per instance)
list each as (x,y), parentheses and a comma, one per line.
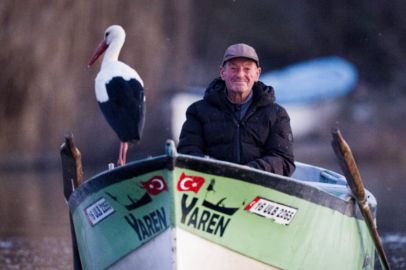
(155,185)
(190,183)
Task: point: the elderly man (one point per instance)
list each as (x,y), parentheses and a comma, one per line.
(238,120)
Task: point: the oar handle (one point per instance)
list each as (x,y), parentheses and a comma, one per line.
(348,165)
(350,170)
(71,166)
(72,178)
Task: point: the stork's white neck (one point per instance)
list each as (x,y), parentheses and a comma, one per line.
(113,50)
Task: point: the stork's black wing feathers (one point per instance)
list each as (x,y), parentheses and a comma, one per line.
(125,109)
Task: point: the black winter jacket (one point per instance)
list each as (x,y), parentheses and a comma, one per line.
(262,139)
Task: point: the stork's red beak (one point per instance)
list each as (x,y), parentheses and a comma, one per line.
(100,50)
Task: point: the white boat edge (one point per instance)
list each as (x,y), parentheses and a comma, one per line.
(210,255)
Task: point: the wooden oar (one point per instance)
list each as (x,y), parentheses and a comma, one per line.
(350,170)
(72,178)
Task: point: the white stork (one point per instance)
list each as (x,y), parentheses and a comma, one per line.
(119,91)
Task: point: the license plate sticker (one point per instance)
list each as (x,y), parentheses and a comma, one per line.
(98,211)
(280,213)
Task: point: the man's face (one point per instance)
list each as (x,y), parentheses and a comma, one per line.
(240,74)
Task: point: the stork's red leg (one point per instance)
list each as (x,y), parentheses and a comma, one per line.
(123,154)
(120,155)
(125,148)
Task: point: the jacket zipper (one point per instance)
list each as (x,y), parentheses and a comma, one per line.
(238,144)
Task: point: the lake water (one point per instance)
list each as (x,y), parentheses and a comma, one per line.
(35,232)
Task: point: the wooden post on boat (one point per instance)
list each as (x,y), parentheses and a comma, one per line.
(72,178)
(350,170)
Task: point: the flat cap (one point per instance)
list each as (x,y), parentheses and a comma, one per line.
(240,50)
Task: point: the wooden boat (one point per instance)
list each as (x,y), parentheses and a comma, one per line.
(181,212)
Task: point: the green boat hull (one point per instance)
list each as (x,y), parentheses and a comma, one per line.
(182,212)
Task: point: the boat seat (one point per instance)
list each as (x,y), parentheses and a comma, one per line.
(305,172)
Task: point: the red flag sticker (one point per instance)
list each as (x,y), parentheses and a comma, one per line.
(190,183)
(155,185)
(253,203)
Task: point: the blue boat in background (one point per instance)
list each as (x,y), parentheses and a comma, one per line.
(312,81)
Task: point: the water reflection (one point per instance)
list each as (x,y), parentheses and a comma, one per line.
(35,253)
(33,204)
(34,227)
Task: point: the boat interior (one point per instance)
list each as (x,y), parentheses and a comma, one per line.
(327,180)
